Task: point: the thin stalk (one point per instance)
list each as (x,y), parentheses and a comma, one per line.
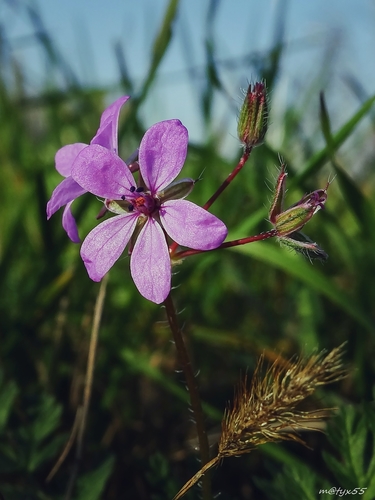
(230,177)
(88,382)
(173,247)
(195,400)
(228,244)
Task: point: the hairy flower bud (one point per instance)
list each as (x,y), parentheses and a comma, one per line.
(252,120)
(297,215)
(288,223)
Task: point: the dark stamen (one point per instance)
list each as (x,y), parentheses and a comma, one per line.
(130,208)
(123,197)
(132,189)
(140,189)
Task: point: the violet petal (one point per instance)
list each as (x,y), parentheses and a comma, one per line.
(162,153)
(150,264)
(65,157)
(107,133)
(68,190)
(192,226)
(102,172)
(69,224)
(105,244)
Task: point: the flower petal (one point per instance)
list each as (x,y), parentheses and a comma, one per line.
(192,226)
(150,264)
(68,190)
(106,135)
(105,244)
(65,157)
(162,153)
(69,224)
(102,172)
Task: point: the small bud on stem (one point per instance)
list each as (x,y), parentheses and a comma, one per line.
(252,120)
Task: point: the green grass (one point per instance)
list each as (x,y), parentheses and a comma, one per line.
(235,304)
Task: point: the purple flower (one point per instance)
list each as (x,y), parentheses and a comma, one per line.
(68,190)
(149,211)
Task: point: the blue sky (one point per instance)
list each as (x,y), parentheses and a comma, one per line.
(86,31)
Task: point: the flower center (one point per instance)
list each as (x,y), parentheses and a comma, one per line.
(139,201)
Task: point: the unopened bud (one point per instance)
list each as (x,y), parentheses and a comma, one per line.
(300,213)
(253,118)
(288,223)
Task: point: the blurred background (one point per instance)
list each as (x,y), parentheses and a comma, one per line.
(61,64)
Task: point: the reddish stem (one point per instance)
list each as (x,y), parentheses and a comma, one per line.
(173,247)
(228,244)
(230,177)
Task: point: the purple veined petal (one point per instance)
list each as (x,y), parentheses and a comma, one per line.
(162,153)
(68,190)
(69,224)
(102,172)
(150,265)
(192,226)
(107,133)
(104,245)
(65,157)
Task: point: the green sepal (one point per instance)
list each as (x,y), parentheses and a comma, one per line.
(177,190)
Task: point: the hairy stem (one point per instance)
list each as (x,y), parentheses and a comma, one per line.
(230,178)
(228,244)
(191,383)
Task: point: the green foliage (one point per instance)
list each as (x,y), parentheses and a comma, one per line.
(234,304)
(26,444)
(91,485)
(352,434)
(159,476)
(350,465)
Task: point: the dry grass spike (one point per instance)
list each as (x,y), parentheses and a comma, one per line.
(265,411)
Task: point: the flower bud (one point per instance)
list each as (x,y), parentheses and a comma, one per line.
(288,223)
(252,120)
(300,213)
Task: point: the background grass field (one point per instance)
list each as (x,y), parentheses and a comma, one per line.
(235,304)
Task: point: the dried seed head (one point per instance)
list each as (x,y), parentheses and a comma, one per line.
(265,411)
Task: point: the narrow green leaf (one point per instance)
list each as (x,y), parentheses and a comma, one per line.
(321,157)
(355,199)
(160,46)
(309,274)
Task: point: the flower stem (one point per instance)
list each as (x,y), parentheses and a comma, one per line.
(230,177)
(191,383)
(228,244)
